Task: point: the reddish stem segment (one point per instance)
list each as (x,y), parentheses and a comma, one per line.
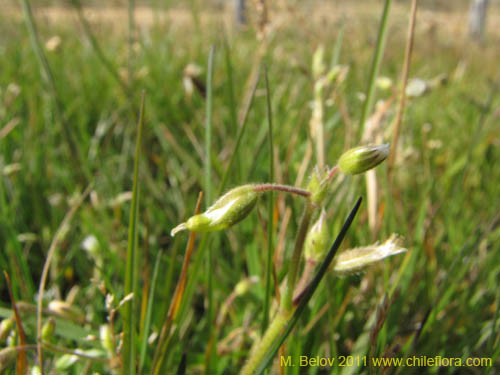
(284,188)
(332,172)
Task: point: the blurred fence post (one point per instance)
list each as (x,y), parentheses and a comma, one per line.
(239,11)
(477,18)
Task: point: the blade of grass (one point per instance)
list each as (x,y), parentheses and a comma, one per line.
(270,207)
(176,301)
(208,193)
(338,46)
(50,81)
(485,112)
(241,131)
(14,253)
(208,129)
(131,31)
(308,292)
(46,267)
(22,361)
(230,84)
(199,256)
(149,311)
(402,94)
(97,48)
(129,313)
(377,59)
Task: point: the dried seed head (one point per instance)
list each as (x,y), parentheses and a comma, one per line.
(316,243)
(360,159)
(66,311)
(228,210)
(355,260)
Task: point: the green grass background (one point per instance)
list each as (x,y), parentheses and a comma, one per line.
(445,200)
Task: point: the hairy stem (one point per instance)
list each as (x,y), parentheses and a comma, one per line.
(286,301)
(284,188)
(262,346)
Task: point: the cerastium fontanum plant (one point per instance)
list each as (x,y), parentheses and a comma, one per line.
(312,241)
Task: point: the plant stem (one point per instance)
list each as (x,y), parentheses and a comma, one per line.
(264,350)
(45,271)
(377,59)
(270,250)
(208,193)
(131,265)
(287,300)
(304,279)
(48,77)
(131,31)
(262,346)
(402,94)
(284,188)
(176,300)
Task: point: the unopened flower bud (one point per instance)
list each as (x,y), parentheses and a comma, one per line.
(360,159)
(48,329)
(318,65)
(228,210)
(317,238)
(244,285)
(5,328)
(106,337)
(355,260)
(318,186)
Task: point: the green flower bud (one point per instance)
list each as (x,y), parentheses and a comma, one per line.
(360,159)
(245,285)
(317,239)
(355,260)
(318,65)
(48,329)
(5,328)
(106,338)
(318,186)
(228,210)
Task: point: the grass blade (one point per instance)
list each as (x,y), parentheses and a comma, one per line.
(149,311)
(46,266)
(208,193)
(176,301)
(338,46)
(97,48)
(377,59)
(208,129)
(131,31)
(308,292)
(404,80)
(241,131)
(22,361)
(265,320)
(129,318)
(50,81)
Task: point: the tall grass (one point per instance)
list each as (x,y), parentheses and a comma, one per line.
(442,295)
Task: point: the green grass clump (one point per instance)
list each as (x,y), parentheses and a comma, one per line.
(245,124)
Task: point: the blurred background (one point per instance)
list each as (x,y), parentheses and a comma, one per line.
(71,77)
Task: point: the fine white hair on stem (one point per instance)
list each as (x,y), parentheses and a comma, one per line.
(356,260)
